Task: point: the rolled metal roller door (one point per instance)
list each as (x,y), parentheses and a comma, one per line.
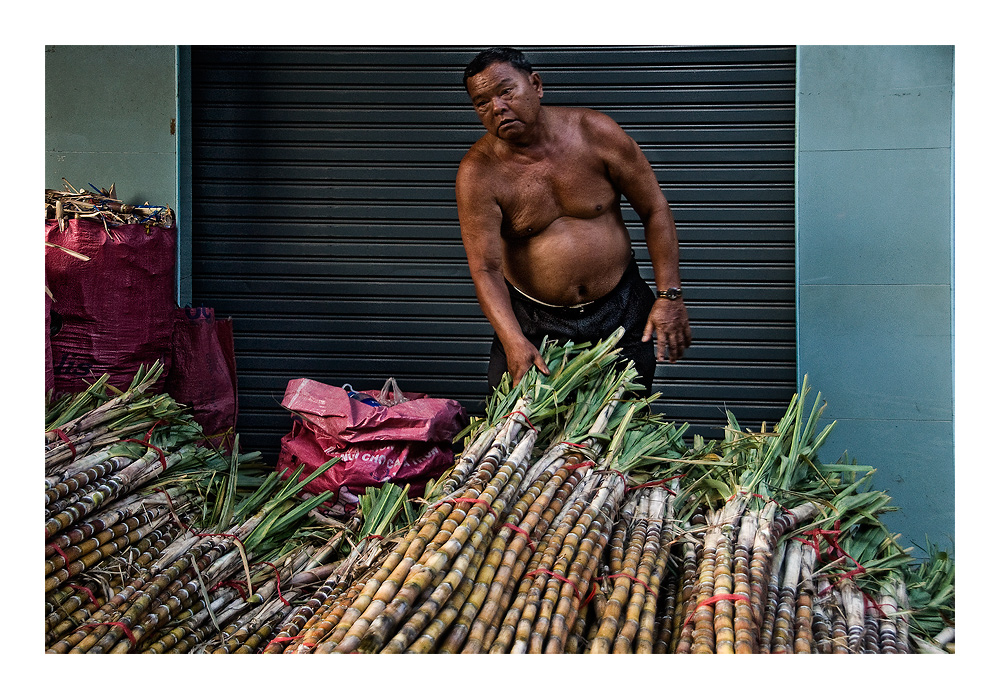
(324,219)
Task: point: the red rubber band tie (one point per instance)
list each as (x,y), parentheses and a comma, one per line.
(713,600)
(527,536)
(619,474)
(90,593)
(235,584)
(552,573)
(277,577)
(62,435)
(582,464)
(286,639)
(633,579)
(123,627)
(163,459)
(652,484)
(872,604)
(55,547)
(526,419)
(832,538)
(149,435)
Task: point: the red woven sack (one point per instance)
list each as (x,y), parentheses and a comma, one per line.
(114,311)
(203,371)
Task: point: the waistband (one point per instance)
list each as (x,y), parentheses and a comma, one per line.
(631,271)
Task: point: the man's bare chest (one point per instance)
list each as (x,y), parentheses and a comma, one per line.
(533,196)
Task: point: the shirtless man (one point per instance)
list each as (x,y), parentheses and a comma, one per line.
(539,204)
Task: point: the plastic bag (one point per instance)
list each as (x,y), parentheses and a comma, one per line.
(409,442)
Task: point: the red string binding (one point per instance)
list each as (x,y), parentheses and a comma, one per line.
(163,458)
(552,573)
(651,484)
(58,550)
(527,536)
(90,593)
(123,627)
(633,579)
(62,435)
(283,640)
(713,600)
(518,412)
(277,578)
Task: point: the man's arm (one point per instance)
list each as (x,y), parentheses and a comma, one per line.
(480,217)
(632,174)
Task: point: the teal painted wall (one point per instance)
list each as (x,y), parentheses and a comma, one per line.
(875,213)
(110,118)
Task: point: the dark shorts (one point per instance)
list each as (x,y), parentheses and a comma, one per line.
(627,305)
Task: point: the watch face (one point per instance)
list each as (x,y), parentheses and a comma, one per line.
(671,294)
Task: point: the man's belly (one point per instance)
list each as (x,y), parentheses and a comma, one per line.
(572,261)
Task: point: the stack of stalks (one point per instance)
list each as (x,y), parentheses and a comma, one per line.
(156,543)
(577,521)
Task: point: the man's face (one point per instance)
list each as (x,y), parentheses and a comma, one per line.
(506,100)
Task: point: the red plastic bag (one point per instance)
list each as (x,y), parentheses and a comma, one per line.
(203,371)
(406,443)
(114,311)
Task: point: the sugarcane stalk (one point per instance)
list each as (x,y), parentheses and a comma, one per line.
(517,603)
(803,642)
(562,600)
(889,612)
(838,623)
(784,623)
(854,613)
(433,632)
(520,553)
(641,589)
(377,632)
(724,611)
(680,637)
(570,608)
(107,550)
(459,567)
(902,622)
(703,617)
(771,599)
(541,570)
(869,642)
(744,627)
(650,622)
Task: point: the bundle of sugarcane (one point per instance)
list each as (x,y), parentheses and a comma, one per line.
(101,204)
(785,554)
(422,586)
(559,548)
(380,514)
(153,523)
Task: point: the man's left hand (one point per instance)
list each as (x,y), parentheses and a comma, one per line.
(669,320)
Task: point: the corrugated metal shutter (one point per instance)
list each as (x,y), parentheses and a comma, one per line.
(325,224)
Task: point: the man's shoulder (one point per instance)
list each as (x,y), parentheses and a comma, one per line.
(476,159)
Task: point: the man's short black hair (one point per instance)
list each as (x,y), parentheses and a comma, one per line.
(484,59)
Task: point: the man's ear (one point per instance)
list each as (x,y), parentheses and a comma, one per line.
(536,82)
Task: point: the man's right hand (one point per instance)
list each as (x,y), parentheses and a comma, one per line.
(521,357)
